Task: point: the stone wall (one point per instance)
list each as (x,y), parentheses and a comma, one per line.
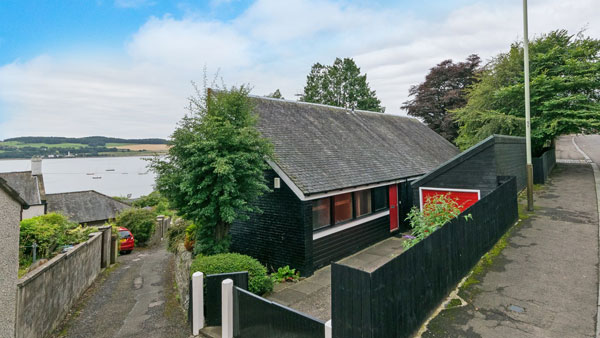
(45,295)
(183,261)
(10,216)
(160,230)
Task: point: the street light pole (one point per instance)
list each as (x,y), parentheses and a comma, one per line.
(527,110)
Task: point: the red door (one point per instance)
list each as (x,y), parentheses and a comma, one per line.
(393,191)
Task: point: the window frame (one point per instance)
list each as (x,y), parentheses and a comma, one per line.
(332,223)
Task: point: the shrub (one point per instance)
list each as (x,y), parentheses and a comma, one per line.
(258,283)
(50,232)
(437,211)
(140,222)
(285,274)
(176,234)
(190,237)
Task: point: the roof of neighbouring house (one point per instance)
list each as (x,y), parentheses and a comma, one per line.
(26,185)
(12,193)
(323,148)
(85,206)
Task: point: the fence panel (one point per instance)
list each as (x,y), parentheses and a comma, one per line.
(212,294)
(393,300)
(255,316)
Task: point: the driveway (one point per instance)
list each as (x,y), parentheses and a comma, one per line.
(135,300)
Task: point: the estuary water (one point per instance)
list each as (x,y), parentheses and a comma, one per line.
(112,176)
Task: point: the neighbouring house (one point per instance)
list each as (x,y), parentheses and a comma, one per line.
(11,211)
(85,207)
(30,186)
(339,180)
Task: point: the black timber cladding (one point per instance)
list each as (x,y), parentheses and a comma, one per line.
(343,243)
(282,234)
(543,165)
(324,148)
(479,166)
(395,299)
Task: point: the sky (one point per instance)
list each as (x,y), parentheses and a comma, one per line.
(124,68)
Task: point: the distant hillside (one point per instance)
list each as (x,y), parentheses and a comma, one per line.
(57,147)
(90,140)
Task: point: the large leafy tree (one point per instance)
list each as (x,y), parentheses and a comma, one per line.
(214,169)
(444,90)
(341,85)
(565,92)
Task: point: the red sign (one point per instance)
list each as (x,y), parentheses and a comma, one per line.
(465,197)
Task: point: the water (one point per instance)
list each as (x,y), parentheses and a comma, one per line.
(130,175)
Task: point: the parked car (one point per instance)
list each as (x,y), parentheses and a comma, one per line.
(127,241)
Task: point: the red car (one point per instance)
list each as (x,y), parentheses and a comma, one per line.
(127,241)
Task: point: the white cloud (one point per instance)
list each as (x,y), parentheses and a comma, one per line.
(271,45)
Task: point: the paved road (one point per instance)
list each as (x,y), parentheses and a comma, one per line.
(545,282)
(590,144)
(135,300)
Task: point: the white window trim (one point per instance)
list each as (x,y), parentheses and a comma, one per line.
(351,224)
(303,197)
(445,189)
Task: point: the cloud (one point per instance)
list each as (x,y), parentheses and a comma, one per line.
(271,45)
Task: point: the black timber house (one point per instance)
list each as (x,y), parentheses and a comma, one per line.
(339,180)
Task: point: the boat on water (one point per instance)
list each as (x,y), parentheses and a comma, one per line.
(96,177)
(124,173)
(90,174)
(143,173)
(110,169)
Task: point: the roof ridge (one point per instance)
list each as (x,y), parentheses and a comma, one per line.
(347,110)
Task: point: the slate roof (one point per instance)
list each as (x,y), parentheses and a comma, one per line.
(85,206)
(25,185)
(324,148)
(12,193)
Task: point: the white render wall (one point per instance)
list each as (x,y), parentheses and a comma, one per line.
(10,217)
(34,210)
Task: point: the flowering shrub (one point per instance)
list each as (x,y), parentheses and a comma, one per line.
(437,211)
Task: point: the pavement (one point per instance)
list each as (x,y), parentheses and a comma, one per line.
(544,283)
(312,295)
(136,299)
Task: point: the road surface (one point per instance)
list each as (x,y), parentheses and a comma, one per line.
(136,300)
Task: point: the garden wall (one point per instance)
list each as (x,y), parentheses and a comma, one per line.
(183,262)
(395,299)
(543,165)
(45,295)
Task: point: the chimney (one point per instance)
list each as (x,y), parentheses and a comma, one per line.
(36,166)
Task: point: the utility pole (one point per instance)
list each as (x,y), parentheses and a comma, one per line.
(527,110)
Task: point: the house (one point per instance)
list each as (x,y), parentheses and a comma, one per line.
(11,211)
(340,181)
(85,207)
(30,186)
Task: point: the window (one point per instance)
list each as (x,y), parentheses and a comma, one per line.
(362,203)
(321,213)
(342,207)
(380,198)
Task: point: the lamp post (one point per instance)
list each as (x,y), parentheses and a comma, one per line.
(527,110)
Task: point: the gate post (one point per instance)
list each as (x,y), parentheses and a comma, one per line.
(328,329)
(197,302)
(227,309)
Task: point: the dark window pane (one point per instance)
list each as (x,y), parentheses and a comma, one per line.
(362,202)
(321,212)
(124,234)
(380,198)
(342,207)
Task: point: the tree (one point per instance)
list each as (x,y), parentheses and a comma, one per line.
(276,95)
(444,90)
(213,171)
(565,92)
(341,85)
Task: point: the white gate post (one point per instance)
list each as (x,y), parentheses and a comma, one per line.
(328,329)
(227,309)
(197,302)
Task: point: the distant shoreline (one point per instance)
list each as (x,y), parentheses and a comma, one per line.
(83,157)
